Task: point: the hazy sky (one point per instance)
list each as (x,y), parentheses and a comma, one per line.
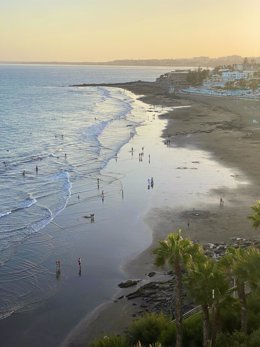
(100,30)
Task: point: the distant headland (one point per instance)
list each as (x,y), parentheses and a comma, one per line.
(195,61)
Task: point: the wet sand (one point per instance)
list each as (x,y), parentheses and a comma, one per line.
(229,129)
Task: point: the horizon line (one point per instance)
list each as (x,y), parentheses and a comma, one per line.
(119,60)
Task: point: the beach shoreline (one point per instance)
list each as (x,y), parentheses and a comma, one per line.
(227,129)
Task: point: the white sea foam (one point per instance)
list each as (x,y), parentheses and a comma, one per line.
(39,131)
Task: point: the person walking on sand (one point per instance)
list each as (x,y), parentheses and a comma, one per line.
(36,169)
(152,182)
(221,202)
(102,195)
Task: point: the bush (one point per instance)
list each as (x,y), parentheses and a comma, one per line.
(193,331)
(148,329)
(254,339)
(168,335)
(111,341)
(237,339)
(229,315)
(253,312)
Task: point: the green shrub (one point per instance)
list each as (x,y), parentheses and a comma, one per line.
(111,341)
(148,329)
(237,339)
(193,331)
(168,335)
(254,339)
(253,312)
(229,316)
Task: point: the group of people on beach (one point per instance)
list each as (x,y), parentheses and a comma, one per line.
(36,170)
(141,154)
(58,268)
(150,182)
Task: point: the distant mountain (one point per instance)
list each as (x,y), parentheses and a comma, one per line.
(196,61)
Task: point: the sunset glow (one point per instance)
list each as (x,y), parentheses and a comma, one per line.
(102,30)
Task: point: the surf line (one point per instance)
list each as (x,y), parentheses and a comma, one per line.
(57,225)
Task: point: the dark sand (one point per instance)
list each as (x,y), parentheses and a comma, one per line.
(229,129)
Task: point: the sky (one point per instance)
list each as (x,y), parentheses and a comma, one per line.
(103,30)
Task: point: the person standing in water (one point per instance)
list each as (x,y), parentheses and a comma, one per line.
(79,263)
(58,272)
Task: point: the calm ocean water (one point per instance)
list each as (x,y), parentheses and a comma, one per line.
(69,133)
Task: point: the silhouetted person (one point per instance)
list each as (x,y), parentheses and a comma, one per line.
(58,271)
(79,263)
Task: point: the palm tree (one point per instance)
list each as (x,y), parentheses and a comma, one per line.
(176,251)
(253,267)
(234,263)
(255,217)
(208,287)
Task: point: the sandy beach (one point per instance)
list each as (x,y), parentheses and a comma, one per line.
(228,130)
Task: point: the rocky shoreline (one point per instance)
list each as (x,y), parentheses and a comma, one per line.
(157,296)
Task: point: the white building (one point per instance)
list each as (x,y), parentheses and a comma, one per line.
(229,76)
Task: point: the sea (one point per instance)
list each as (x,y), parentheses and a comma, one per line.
(52,138)
(60,147)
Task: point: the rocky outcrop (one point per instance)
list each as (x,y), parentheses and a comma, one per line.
(128,283)
(158,296)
